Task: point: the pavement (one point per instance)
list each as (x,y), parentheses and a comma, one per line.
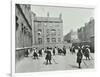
(59,62)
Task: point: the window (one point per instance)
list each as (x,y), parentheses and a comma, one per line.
(53,39)
(24,29)
(17,23)
(39,24)
(28,7)
(50,25)
(48,40)
(53,32)
(58,32)
(48,32)
(45,24)
(59,39)
(40,40)
(40,30)
(57,25)
(25,6)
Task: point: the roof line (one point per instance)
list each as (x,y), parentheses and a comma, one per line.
(23,15)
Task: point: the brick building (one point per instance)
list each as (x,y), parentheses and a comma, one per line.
(48,31)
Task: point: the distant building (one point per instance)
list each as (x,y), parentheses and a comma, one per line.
(67,37)
(71,37)
(23,31)
(89,30)
(48,31)
(81,34)
(86,33)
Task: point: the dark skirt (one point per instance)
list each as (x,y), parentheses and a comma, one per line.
(48,57)
(35,54)
(79,60)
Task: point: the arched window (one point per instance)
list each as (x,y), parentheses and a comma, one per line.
(53,32)
(39,40)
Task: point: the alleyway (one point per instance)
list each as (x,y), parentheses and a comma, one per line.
(59,62)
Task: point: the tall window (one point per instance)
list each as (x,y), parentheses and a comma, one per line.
(39,24)
(58,32)
(48,40)
(53,39)
(53,32)
(45,24)
(28,7)
(57,25)
(59,39)
(48,32)
(40,40)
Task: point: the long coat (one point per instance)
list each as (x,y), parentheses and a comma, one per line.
(54,51)
(48,56)
(86,53)
(64,50)
(79,56)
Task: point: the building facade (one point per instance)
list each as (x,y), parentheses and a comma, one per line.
(89,30)
(23,32)
(67,37)
(71,37)
(23,29)
(48,31)
(86,33)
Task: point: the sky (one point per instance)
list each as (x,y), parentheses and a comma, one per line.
(73,18)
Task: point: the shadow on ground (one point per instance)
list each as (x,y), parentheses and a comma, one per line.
(73,66)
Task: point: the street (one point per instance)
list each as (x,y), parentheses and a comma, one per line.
(59,62)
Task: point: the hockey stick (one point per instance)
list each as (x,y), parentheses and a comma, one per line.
(54,61)
(85,64)
(91,57)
